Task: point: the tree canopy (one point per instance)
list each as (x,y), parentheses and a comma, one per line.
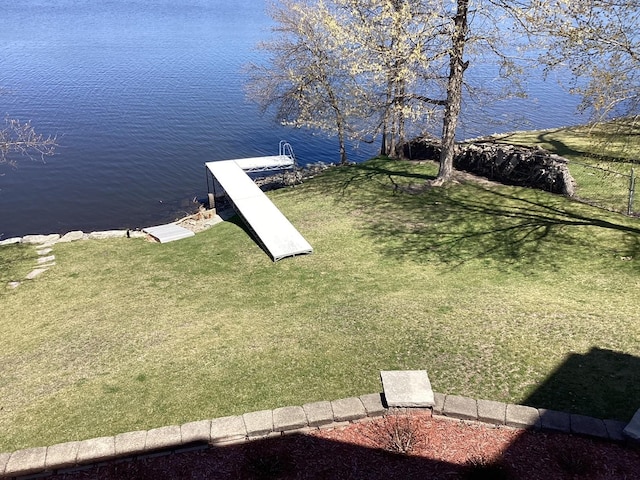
(395,69)
(599,42)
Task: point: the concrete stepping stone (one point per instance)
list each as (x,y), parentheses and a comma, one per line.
(47,259)
(407,388)
(35,273)
(44,251)
(168,233)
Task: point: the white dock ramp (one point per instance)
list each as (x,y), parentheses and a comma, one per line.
(277,235)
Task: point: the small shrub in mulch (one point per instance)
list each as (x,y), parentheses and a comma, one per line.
(396,433)
(480,468)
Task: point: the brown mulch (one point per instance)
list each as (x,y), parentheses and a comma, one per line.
(393,447)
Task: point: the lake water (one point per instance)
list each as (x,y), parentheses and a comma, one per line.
(141,94)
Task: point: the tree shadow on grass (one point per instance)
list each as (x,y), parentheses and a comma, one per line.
(599,140)
(460,223)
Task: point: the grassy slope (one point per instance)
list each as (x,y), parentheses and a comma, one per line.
(500,293)
(614,148)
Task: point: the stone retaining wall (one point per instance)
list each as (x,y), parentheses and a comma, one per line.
(296,419)
(531,167)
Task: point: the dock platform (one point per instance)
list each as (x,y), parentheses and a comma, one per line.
(271,228)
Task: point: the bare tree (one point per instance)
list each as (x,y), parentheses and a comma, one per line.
(20,139)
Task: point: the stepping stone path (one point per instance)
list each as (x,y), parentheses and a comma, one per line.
(44,247)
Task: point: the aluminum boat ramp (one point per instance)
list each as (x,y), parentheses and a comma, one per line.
(271,228)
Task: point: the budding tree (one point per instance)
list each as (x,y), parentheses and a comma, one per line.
(599,42)
(305,79)
(356,68)
(362,68)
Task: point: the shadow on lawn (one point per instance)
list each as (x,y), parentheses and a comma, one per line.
(477,221)
(597,140)
(600,383)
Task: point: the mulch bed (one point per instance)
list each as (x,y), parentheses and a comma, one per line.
(393,447)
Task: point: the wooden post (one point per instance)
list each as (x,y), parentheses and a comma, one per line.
(632,187)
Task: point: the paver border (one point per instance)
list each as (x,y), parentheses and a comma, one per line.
(286,420)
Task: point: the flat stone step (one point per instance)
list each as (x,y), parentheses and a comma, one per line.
(168,233)
(35,273)
(407,388)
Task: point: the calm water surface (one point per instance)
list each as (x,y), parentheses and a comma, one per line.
(141,94)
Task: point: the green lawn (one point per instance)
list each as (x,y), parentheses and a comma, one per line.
(612,148)
(500,293)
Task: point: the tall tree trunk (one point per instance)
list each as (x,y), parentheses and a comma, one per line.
(402,134)
(340,124)
(343,150)
(454,92)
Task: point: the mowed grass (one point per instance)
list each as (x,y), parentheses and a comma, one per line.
(500,293)
(16,262)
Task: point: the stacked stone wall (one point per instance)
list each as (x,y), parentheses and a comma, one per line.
(510,164)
